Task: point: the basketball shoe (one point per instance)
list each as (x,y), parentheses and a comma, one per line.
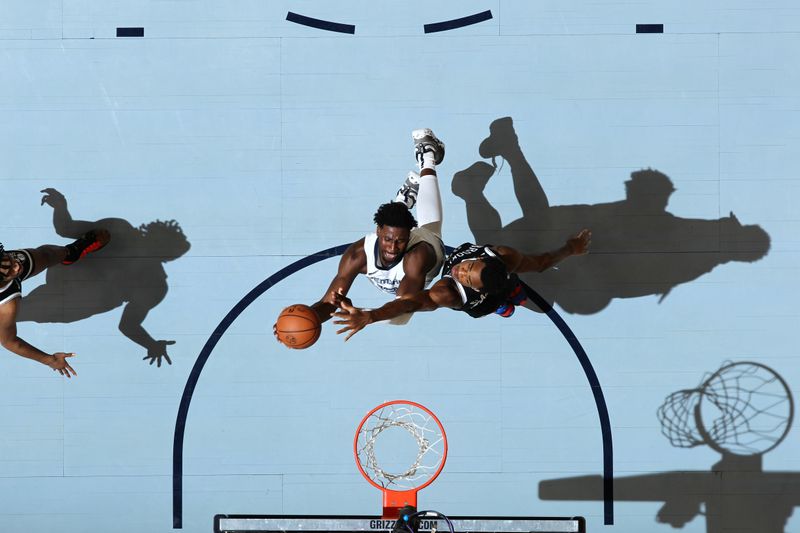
(407,194)
(425,141)
(90,242)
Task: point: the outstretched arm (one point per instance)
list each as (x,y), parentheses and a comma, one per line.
(352,263)
(354,319)
(517,262)
(63,222)
(12,343)
(130,324)
(416,264)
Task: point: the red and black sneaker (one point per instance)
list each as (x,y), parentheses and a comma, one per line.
(90,242)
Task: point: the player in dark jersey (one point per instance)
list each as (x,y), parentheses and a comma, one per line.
(18,265)
(477,279)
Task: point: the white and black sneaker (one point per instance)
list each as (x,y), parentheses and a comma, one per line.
(426,141)
(407,194)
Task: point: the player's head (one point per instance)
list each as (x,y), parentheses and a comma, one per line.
(488,274)
(395,223)
(165,239)
(649,189)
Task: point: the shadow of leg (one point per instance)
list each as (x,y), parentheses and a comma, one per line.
(483,219)
(503,142)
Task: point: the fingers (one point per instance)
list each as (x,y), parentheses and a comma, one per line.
(66,371)
(345,312)
(581,241)
(48,195)
(347,305)
(157,359)
(340,300)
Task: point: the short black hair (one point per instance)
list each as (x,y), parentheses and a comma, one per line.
(396,215)
(494,276)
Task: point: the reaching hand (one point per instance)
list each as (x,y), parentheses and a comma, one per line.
(579,244)
(339,298)
(157,351)
(59,362)
(53,198)
(353,319)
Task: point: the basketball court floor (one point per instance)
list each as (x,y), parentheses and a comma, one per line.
(226,143)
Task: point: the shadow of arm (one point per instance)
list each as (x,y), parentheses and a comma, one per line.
(63,222)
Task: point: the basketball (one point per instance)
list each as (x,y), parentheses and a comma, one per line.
(298,326)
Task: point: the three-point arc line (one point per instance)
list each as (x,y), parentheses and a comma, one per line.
(264,286)
(338,27)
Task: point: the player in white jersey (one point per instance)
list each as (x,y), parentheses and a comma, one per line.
(399,258)
(18,265)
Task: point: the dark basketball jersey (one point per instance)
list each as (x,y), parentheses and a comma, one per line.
(475,303)
(13,289)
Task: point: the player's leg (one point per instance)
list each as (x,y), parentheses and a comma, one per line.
(44,257)
(429,151)
(422,190)
(50,255)
(502,142)
(483,219)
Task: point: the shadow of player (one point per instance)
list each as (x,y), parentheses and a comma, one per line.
(638,247)
(749,410)
(128,272)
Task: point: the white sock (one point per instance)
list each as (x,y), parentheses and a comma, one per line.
(429,204)
(428,161)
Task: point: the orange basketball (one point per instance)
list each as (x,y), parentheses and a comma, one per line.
(298,326)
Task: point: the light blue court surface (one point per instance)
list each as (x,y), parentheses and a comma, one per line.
(266,141)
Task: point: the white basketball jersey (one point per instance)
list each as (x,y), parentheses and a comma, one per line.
(388,278)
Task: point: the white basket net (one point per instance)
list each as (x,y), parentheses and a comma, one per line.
(424,462)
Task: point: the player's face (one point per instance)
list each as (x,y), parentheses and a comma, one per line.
(392,243)
(9,267)
(468,273)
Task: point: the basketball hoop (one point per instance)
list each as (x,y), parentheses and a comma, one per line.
(400,486)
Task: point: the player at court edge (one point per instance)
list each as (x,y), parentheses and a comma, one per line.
(18,265)
(401,256)
(476,279)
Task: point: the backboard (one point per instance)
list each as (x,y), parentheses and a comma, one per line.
(353,523)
